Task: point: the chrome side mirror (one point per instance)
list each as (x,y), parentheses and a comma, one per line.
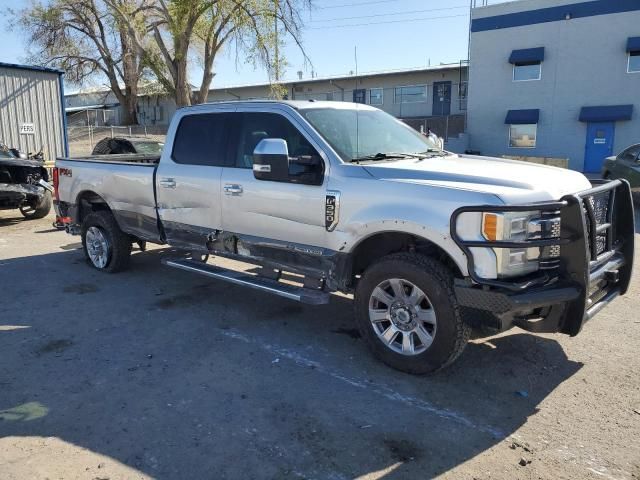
(271,160)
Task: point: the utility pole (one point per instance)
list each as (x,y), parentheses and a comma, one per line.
(277,56)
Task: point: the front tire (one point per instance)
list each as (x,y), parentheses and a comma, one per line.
(407,313)
(106,247)
(39,209)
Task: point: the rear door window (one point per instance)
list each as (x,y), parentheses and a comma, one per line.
(201,140)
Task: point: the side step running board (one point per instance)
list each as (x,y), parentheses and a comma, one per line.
(300,294)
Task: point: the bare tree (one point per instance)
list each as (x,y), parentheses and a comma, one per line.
(85,38)
(182,28)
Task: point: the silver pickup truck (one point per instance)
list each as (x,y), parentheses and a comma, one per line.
(347,198)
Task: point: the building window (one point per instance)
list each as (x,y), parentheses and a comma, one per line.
(523,136)
(412,94)
(523,72)
(376,96)
(360,95)
(633,65)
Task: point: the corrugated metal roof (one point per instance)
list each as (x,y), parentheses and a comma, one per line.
(34,68)
(91,107)
(377,73)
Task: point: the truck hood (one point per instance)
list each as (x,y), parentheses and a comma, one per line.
(510,180)
(20,162)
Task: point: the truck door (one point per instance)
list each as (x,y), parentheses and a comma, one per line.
(277,215)
(188,180)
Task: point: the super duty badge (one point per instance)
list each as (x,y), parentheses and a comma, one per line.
(331,210)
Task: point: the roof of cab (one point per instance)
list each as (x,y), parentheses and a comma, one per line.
(299,104)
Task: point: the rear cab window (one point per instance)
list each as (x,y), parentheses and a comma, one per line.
(201,139)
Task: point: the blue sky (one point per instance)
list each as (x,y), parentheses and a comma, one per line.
(388,34)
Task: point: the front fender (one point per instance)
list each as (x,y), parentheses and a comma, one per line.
(364,231)
(369,207)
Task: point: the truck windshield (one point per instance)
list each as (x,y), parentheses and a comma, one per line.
(369,134)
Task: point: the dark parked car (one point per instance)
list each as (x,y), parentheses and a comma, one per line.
(24,183)
(119,145)
(626,165)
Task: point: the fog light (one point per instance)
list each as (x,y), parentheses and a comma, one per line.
(517,257)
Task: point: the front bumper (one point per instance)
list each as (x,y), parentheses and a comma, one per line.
(12,195)
(596,261)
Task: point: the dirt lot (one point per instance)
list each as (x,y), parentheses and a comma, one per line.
(156,373)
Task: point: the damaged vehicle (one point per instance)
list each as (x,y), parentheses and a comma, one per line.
(24,183)
(343,197)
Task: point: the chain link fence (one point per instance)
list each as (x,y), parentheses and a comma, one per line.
(83,139)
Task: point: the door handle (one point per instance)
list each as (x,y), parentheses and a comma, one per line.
(168,183)
(233,189)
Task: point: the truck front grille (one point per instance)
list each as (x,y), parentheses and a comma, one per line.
(598,209)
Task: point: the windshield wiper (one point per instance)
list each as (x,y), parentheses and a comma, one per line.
(386,156)
(431,152)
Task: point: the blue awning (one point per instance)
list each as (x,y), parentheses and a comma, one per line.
(522,117)
(528,55)
(608,113)
(633,44)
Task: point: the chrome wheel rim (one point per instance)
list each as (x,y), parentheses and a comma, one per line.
(97,247)
(402,316)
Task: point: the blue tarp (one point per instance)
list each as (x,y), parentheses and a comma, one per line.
(522,117)
(528,55)
(606,113)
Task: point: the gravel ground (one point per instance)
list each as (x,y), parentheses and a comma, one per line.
(156,373)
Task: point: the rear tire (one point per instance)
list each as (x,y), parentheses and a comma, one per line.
(106,247)
(421,315)
(36,210)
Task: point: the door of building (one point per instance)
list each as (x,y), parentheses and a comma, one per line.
(599,145)
(441,98)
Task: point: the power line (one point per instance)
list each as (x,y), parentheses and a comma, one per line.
(387,22)
(372,2)
(389,14)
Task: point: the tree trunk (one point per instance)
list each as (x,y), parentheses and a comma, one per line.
(180,62)
(183,91)
(130,72)
(129,111)
(202,95)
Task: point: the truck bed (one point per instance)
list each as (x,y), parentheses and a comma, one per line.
(122,159)
(125,182)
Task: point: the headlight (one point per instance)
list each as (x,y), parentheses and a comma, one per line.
(520,227)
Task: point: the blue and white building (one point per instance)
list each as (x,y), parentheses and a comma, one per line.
(555,78)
